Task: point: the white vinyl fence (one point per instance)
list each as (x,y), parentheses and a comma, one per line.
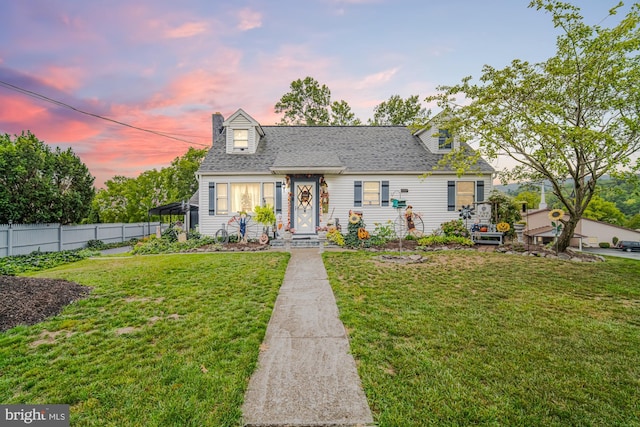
(22,239)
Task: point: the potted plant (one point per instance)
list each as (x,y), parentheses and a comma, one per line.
(265,216)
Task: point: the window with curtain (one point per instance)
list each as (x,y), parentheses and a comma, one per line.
(245,196)
(268,194)
(222,199)
(465,193)
(240,138)
(371,193)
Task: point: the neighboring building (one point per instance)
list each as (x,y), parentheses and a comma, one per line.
(311,174)
(588,232)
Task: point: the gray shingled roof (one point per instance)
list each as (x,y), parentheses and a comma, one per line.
(356,149)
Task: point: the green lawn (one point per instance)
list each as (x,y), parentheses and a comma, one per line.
(489,339)
(165,340)
(463,339)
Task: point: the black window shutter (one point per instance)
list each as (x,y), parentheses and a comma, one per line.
(357,193)
(212,198)
(451,195)
(278,197)
(480,191)
(385,193)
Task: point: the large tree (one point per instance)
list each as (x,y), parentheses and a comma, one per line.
(309,104)
(306,104)
(41,185)
(572,118)
(397,111)
(129,199)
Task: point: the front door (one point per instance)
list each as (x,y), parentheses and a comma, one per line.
(304,202)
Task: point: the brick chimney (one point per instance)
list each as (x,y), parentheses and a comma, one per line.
(217,126)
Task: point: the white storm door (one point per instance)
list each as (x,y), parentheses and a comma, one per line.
(304,202)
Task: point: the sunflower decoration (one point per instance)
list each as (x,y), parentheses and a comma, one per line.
(556,214)
(503,227)
(354,218)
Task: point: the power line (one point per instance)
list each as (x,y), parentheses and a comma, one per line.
(62,104)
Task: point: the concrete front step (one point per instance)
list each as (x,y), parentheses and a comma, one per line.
(297,243)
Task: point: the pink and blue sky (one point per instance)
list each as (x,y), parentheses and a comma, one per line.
(167,66)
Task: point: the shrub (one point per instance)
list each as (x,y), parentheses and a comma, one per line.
(35,261)
(614,240)
(96,244)
(168,245)
(383,233)
(604,245)
(439,240)
(454,228)
(336,237)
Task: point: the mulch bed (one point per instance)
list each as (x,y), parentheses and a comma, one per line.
(29,300)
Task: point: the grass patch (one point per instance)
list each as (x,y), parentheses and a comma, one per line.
(165,340)
(492,339)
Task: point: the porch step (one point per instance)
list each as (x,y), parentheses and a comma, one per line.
(311,242)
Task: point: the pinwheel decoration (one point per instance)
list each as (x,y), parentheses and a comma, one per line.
(466,211)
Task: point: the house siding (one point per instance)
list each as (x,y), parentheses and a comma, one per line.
(209,224)
(428,197)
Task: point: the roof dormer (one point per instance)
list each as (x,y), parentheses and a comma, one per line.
(243,133)
(437,138)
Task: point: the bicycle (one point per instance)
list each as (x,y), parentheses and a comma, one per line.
(238,225)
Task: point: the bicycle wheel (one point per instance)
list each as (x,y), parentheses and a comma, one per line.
(418,231)
(400,227)
(254,230)
(222,236)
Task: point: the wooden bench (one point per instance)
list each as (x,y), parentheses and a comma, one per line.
(487,237)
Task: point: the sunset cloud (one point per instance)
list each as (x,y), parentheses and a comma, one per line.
(188,29)
(377,79)
(249,19)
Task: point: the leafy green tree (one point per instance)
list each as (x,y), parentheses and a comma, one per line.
(572,117)
(41,185)
(306,104)
(399,112)
(602,210)
(634,222)
(341,115)
(531,198)
(180,177)
(129,199)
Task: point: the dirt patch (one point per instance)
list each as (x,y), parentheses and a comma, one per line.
(29,300)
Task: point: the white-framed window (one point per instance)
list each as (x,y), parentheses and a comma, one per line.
(445,142)
(231,198)
(268,194)
(222,199)
(244,196)
(465,193)
(240,138)
(371,193)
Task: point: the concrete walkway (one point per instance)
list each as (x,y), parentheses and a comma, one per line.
(305,375)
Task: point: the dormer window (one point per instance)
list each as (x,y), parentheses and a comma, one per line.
(445,142)
(240,139)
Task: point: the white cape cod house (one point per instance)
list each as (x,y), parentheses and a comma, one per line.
(313,174)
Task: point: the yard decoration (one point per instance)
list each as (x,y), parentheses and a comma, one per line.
(363,233)
(555,215)
(354,218)
(503,227)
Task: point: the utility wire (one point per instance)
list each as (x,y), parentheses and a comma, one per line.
(62,104)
